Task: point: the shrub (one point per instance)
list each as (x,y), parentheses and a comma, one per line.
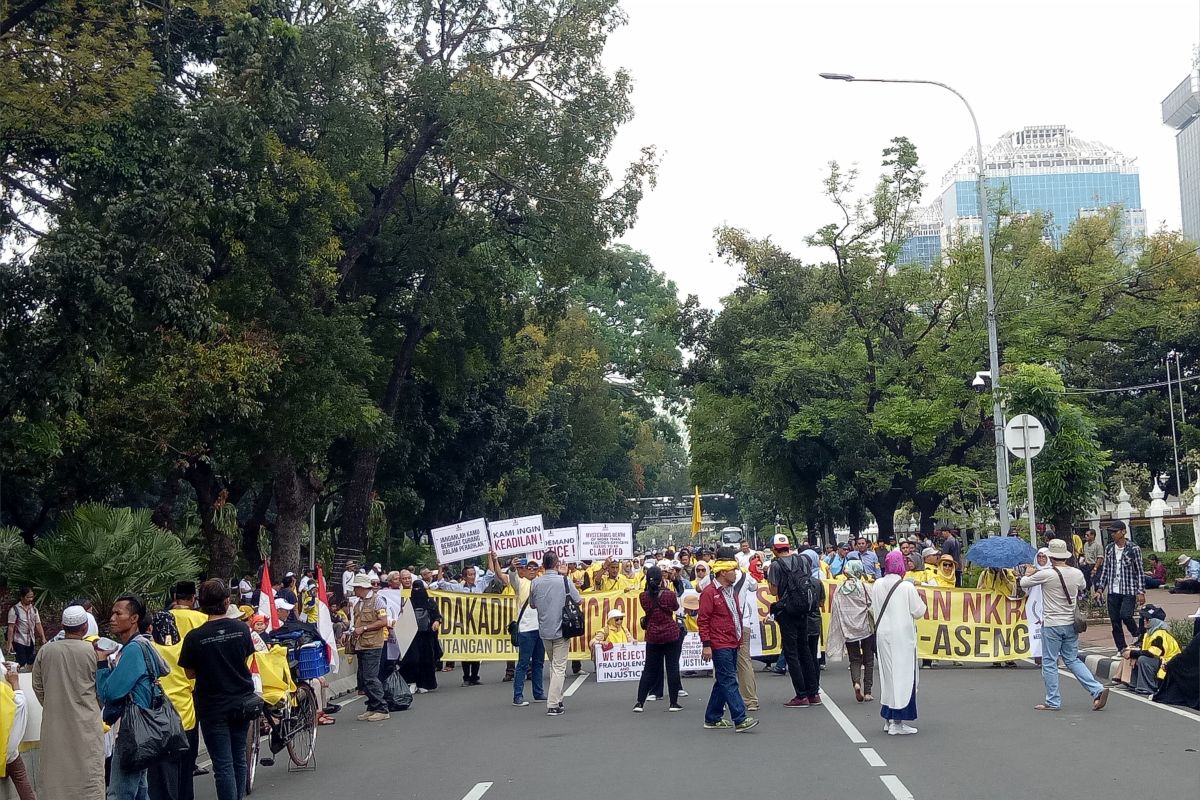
(100,553)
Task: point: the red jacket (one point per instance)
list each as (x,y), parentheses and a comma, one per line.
(718,628)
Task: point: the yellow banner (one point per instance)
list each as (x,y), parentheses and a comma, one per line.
(959,624)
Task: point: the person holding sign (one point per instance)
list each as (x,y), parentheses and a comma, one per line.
(472,583)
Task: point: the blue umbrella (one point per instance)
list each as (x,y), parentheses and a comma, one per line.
(1001,552)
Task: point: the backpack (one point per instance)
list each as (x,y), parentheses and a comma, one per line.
(799,594)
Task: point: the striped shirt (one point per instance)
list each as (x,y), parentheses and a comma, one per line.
(1125,577)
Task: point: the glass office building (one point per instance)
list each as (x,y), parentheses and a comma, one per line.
(1180,110)
(1042,169)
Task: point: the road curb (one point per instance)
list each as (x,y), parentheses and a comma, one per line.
(1102,666)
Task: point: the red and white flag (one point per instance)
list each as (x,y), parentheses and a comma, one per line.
(325,620)
(266,598)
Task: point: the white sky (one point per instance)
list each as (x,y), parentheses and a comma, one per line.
(728,91)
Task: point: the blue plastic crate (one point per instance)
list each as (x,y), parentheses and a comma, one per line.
(314,663)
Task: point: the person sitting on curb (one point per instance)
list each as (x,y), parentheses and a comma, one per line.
(1145,665)
(1190,582)
(1157,576)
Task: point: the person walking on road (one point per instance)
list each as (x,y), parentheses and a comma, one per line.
(664,641)
(720,621)
(368,637)
(71,753)
(896,605)
(1061,588)
(214,656)
(548,595)
(1122,580)
(789,575)
(850,630)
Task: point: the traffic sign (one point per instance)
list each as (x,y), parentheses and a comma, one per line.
(1024,433)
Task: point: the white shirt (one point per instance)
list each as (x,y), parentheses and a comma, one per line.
(1119,553)
(18,729)
(245,589)
(347,579)
(743,560)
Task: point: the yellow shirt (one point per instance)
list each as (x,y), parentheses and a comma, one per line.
(176,684)
(1078,542)
(998,581)
(1161,644)
(613,635)
(602,583)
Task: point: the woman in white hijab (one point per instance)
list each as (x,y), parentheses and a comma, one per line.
(851,630)
(896,605)
(1034,611)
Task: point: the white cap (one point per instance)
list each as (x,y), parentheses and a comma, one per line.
(649,562)
(283,605)
(664,563)
(616,613)
(74,616)
(780,540)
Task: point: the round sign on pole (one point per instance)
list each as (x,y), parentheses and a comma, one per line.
(1023,434)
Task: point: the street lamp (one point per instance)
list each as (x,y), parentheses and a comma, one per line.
(993,344)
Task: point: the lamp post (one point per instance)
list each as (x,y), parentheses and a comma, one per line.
(993,344)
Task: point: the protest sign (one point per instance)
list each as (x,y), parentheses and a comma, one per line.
(512,537)
(624,662)
(404,621)
(461,541)
(563,542)
(598,541)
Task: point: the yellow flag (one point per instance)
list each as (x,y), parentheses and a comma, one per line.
(696,513)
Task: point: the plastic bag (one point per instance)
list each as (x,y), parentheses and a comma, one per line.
(397,692)
(150,734)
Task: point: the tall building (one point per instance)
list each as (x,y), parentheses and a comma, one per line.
(1042,169)
(1180,110)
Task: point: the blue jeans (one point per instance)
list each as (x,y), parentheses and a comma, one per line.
(124,785)
(725,688)
(225,738)
(531,656)
(1062,640)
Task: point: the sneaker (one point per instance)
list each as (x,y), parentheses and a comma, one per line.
(554,712)
(539,699)
(651,697)
(422,691)
(746,724)
(637,709)
(378,716)
(682,693)
(797,702)
(719,725)
(814,699)
(674,707)
(520,703)
(363,716)
(902,729)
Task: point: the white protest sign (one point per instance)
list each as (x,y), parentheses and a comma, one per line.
(563,542)
(461,541)
(513,536)
(404,622)
(624,662)
(598,541)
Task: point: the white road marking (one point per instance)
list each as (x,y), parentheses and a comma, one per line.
(872,757)
(1114,693)
(572,688)
(354,699)
(480,790)
(841,719)
(896,787)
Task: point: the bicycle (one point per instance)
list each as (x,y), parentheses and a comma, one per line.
(290,723)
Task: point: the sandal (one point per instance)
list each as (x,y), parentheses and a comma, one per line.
(870,698)
(1044,707)
(325,719)
(858,692)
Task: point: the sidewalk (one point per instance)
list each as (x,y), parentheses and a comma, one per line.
(1097,642)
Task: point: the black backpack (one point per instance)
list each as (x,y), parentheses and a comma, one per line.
(799,594)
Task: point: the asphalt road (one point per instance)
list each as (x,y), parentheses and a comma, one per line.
(979,738)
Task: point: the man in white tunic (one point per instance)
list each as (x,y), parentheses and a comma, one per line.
(896,605)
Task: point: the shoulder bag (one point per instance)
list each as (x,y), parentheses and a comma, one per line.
(149,735)
(1079,621)
(572,615)
(514,627)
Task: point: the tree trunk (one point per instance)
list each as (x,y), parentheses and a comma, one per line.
(854,518)
(258,519)
(359,491)
(883,507)
(296,489)
(164,512)
(211,495)
(928,504)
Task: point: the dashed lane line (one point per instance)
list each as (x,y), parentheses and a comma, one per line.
(873,758)
(480,789)
(896,787)
(572,688)
(842,720)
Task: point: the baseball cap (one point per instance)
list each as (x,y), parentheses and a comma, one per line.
(616,613)
(1115,525)
(280,603)
(780,540)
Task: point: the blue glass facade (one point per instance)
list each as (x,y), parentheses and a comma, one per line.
(922,249)
(1058,196)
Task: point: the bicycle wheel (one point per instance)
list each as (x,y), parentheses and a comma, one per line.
(253,736)
(302,738)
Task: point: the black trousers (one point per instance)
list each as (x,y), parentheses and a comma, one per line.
(661,658)
(172,780)
(793,635)
(1120,612)
(470,670)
